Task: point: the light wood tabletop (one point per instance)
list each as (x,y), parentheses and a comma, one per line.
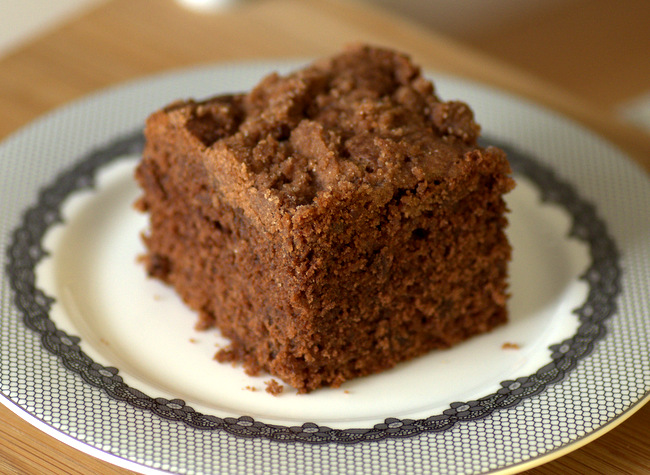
(125,39)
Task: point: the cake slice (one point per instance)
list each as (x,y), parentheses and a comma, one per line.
(331,223)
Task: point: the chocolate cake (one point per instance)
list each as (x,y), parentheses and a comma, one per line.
(331,223)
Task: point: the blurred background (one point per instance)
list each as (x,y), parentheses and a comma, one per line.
(562,42)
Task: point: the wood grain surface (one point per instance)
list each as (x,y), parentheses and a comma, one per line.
(126,39)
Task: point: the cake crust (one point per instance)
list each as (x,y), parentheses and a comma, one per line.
(331,223)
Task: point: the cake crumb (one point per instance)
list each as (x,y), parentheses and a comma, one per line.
(251,388)
(251,368)
(104,341)
(273,387)
(193,340)
(510,346)
(346,392)
(225,355)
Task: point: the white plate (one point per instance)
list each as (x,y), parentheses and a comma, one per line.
(111,364)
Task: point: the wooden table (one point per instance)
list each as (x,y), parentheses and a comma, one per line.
(124,39)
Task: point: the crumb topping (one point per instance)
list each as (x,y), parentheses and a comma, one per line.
(366,116)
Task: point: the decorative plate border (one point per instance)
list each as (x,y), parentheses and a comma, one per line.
(26,251)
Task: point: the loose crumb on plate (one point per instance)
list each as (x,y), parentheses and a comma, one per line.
(251,388)
(510,346)
(225,355)
(273,387)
